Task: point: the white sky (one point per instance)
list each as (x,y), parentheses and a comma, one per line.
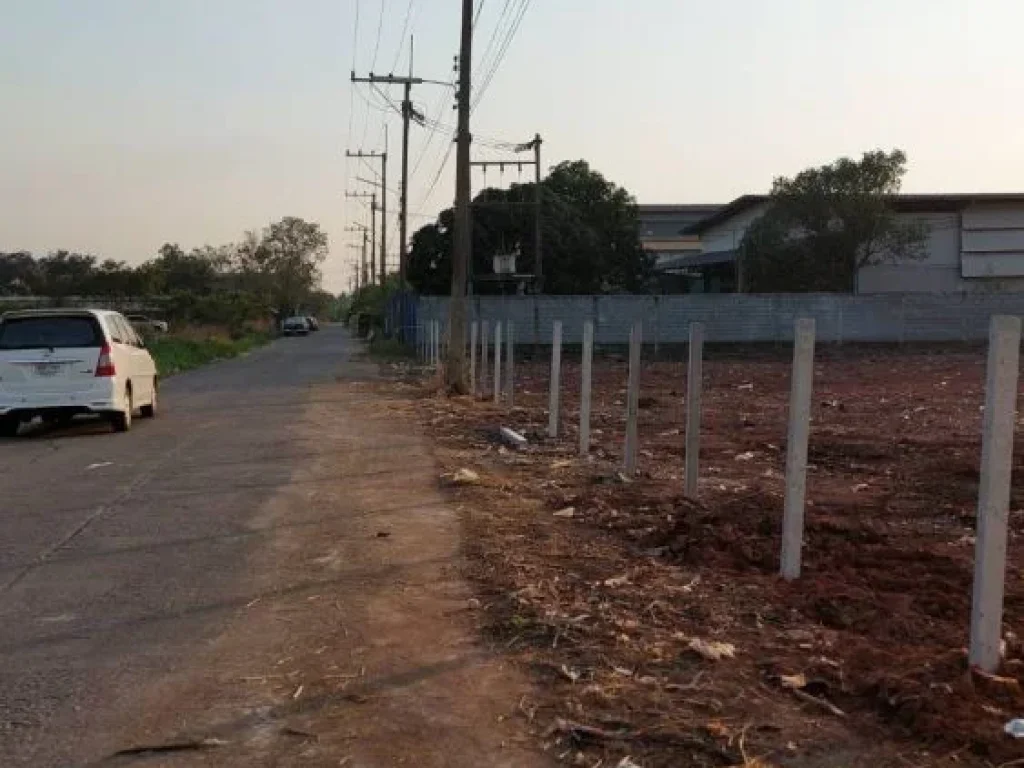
(128,124)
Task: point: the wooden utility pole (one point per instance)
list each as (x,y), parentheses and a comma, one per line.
(455,370)
(383,157)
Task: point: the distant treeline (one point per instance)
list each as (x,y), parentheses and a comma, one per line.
(275,271)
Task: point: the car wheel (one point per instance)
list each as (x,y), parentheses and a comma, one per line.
(122,420)
(149,411)
(9,427)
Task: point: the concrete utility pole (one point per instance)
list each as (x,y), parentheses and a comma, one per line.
(538,254)
(373,252)
(408,113)
(455,370)
(361,273)
(383,157)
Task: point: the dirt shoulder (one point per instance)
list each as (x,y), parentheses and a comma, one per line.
(359,644)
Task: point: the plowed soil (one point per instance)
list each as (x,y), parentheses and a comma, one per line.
(608,588)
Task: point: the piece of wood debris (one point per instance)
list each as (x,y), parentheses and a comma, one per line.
(818,702)
(793,682)
(172,746)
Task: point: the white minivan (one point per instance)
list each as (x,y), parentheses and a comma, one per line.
(59,363)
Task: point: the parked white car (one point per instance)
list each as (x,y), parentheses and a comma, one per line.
(59,363)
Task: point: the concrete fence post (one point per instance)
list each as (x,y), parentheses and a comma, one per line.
(473,331)
(497,362)
(994,491)
(585,386)
(694,380)
(556,372)
(633,398)
(796,450)
(510,362)
(485,338)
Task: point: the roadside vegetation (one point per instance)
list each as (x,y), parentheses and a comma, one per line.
(194,347)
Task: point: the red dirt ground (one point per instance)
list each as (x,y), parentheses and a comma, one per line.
(603,604)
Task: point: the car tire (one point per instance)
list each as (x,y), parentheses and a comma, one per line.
(149,411)
(9,427)
(122,420)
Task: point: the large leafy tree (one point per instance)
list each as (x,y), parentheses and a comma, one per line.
(283,262)
(826,223)
(590,236)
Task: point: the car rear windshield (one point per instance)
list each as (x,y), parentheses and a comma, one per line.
(50,332)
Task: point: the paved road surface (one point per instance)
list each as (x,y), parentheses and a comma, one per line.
(120,555)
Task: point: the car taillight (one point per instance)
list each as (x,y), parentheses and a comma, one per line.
(105,365)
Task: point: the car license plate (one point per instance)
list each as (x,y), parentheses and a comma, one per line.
(47,369)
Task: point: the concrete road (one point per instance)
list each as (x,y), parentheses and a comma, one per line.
(121,555)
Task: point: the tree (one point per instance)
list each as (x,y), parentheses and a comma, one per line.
(112,279)
(19,275)
(283,263)
(64,274)
(827,223)
(590,236)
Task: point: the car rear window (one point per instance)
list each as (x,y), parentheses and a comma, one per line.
(50,332)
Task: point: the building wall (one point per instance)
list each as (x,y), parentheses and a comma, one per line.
(978,250)
(937,272)
(735,317)
(993,243)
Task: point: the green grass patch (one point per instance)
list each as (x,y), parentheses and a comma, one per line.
(174,354)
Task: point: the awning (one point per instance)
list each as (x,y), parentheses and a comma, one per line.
(689,261)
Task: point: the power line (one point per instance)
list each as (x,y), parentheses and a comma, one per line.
(437,175)
(501,53)
(380,28)
(479,10)
(433,133)
(495,32)
(401,37)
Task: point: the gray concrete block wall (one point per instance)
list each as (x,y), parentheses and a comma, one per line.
(741,317)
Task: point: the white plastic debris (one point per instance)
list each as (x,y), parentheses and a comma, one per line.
(465,477)
(513,438)
(1015,728)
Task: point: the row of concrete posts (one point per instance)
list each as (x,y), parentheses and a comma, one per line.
(996,458)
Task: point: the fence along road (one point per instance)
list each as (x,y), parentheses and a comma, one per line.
(742,317)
